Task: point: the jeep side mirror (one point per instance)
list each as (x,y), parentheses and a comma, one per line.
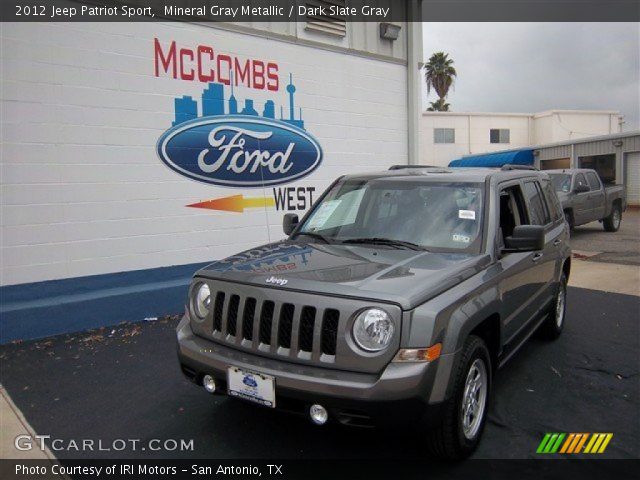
(581,188)
(525,238)
(289,223)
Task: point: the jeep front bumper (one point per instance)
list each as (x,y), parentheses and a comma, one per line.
(402,392)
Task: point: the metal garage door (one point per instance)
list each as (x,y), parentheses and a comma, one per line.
(555,163)
(632,177)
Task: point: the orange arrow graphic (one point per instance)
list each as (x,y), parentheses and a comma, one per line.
(235,203)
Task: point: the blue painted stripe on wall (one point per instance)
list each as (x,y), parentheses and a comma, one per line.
(37,310)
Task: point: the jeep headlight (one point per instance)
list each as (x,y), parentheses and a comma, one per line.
(373,330)
(201,300)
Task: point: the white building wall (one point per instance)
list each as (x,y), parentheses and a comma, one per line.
(472,131)
(471,134)
(558,126)
(83,191)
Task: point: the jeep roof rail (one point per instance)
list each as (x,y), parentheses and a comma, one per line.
(517,167)
(402,167)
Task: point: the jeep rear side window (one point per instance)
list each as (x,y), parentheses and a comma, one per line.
(538,212)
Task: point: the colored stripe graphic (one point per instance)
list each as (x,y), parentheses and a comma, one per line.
(556,445)
(581,442)
(573,443)
(235,203)
(567,443)
(543,443)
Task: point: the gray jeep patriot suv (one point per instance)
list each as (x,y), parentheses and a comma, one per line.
(396,297)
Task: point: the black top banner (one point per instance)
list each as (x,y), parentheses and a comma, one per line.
(321,10)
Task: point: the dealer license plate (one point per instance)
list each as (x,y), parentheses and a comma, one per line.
(252,386)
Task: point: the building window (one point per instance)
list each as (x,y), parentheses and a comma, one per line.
(499,135)
(444,135)
(320,19)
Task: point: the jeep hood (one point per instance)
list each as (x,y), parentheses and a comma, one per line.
(404,277)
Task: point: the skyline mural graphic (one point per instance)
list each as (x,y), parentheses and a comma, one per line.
(213,104)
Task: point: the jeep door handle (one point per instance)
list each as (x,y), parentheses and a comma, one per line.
(557,242)
(537,256)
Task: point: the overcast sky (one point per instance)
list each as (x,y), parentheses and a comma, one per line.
(531,67)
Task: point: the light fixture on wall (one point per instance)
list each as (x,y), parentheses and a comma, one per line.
(618,143)
(390,31)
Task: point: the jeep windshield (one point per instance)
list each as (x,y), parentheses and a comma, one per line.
(414,214)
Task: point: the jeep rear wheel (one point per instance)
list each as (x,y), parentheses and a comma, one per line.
(552,326)
(464,416)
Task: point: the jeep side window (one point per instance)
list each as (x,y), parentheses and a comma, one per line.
(580,180)
(538,213)
(512,211)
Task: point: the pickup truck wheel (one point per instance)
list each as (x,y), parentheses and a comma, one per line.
(464,416)
(612,222)
(554,323)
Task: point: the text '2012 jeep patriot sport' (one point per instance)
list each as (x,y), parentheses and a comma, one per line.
(396,297)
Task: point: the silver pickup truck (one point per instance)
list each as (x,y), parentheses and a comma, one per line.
(395,299)
(586,199)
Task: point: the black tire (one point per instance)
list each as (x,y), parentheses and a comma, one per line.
(552,327)
(613,221)
(448,440)
(568,216)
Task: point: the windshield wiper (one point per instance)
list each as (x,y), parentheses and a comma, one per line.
(313,235)
(385,241)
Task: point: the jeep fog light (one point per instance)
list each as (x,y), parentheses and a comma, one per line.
(318,414)
(373,330)
(418,354)
(209,383)
(201,300)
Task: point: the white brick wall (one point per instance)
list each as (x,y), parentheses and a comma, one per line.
(83,191)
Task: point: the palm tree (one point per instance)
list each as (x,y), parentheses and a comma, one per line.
(439,75)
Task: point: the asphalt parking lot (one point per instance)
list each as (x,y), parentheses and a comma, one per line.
(125,382)
(621,247)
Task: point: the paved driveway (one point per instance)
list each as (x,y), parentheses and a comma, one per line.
(621,247)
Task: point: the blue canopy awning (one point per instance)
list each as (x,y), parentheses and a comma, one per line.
(495,160)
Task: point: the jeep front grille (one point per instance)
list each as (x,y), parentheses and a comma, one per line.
(297,326)
(268,320)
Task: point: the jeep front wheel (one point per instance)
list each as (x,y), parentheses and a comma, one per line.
(465,413)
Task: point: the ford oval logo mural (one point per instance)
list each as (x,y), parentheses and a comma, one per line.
(239,151)
(238,148)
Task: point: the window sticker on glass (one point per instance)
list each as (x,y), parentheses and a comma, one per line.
(322,214)
(461,238)
(467,214)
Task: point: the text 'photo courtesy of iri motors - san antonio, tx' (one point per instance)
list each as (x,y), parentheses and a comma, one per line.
(231,142)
